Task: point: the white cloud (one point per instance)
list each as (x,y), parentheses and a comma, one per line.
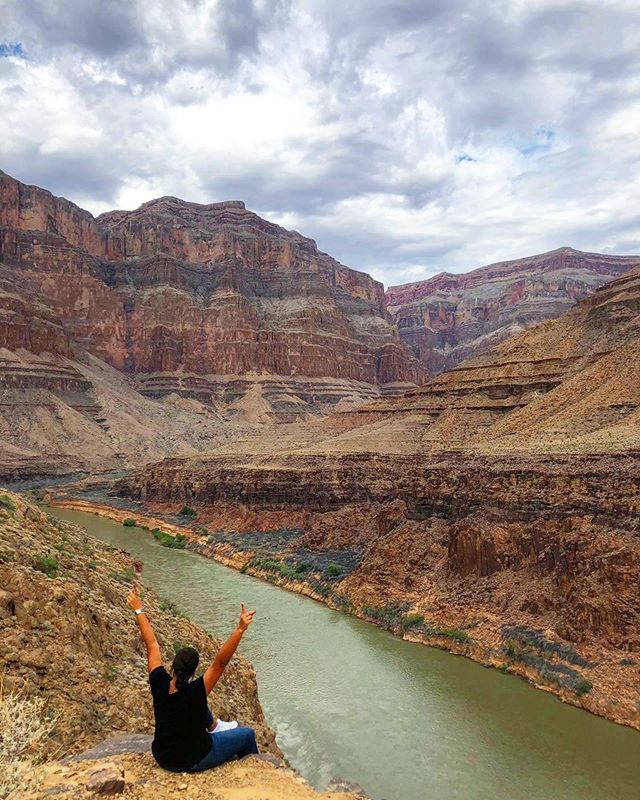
(405,137)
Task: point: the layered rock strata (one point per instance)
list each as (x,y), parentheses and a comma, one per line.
(571,384)
(494,511)
(183,290)
(134,335)
(449,318)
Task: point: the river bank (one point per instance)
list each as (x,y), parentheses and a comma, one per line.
(349,699)
(581,677)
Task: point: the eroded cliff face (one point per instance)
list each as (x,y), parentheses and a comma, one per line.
(134,335)
(494,511)
(531,564)
(449,318)
(177,289)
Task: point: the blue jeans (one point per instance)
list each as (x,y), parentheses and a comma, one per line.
(226,746)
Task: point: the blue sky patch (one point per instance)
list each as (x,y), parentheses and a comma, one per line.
(8,49)
(541,144)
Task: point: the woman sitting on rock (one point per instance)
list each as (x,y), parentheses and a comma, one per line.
(186,738)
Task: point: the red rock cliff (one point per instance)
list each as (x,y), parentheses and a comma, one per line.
(207,290)
(449,318)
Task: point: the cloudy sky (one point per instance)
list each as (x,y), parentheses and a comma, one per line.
(406,136)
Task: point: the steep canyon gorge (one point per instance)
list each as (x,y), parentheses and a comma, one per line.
(493,510)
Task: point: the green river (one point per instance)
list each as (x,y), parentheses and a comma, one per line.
(405,721)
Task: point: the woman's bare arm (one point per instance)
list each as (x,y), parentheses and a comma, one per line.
(154,658)
(225,654)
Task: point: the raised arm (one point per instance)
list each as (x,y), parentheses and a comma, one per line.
(154,659)
(225,654)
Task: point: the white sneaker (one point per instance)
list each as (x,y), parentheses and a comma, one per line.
(221,725)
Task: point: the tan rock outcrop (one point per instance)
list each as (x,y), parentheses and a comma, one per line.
(252,777)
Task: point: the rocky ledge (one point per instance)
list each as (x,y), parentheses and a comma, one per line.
(124,765)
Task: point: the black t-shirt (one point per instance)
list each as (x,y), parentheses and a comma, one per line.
(181,738)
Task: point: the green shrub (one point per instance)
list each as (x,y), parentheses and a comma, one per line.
(187,511)
(302,567)
(170,606)
(334,570)
(274,567)
(7,502)
(411,621)
(511,648)
(582,686)
(177,542)
(47,564)
(62,547)
(125,576)
(93,565)
(389,616)
(129,522)
(456,634)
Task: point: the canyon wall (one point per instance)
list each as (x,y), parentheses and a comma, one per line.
(138,334)
(494,511)
(177,290)
(529,564)
(569,385)
(449,318)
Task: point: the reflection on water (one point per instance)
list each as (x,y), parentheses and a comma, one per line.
(405,721)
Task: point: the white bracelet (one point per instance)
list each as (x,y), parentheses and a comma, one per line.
(138,611)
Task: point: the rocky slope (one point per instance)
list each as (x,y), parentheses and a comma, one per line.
(494,511)
(449,318)
(67,634)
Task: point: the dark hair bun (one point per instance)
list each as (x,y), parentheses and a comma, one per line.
(185,664)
